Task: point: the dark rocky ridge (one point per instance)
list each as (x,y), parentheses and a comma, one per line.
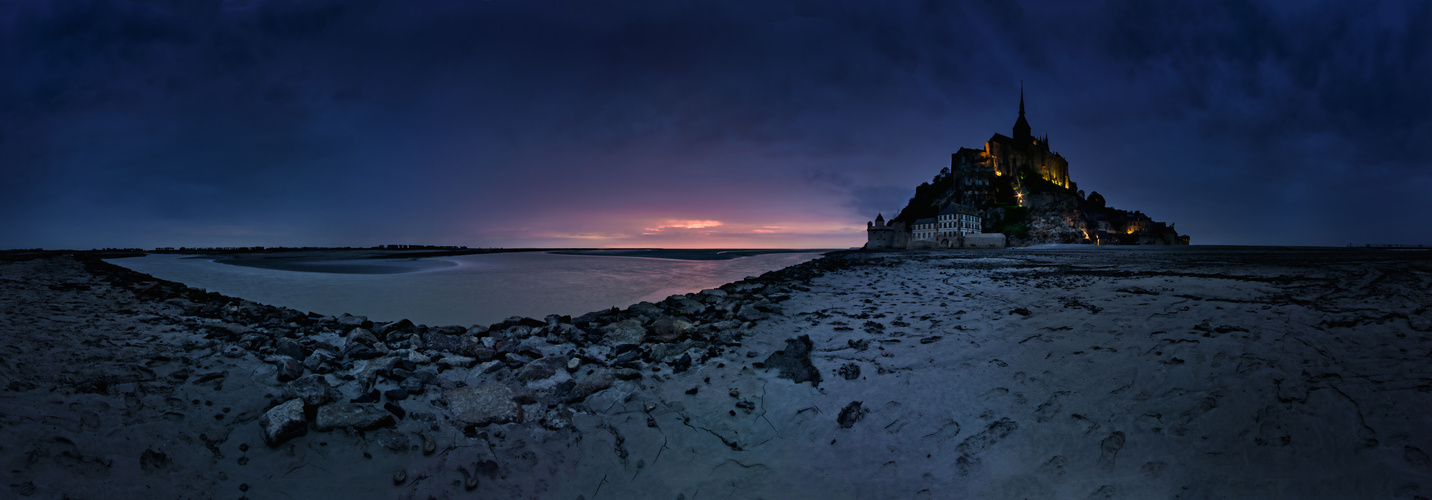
(394,360)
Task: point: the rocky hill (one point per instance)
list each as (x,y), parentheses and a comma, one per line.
(1030,210)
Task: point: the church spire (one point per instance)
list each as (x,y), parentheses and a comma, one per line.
(1021,126)
(1021,98)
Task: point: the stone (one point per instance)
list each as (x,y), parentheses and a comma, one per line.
(351,320)
(484,354)
(283,422)
(396,410)
(573,364)
(414,385)
(399,326)
(666,352)
(645,309)
(368,397)
(624,332)
(456,344)
(360,336)
(288,347)
(682,364)
(314,390)
(714,292)
(540,369)
(319,360)
(794,362)
(392,439)
(351,416)
(430,445)
(360,351)
(398,394)
(456,361)
(590,384)
(489,403)
(367,371)
(670,328)
(750,312)
(288,368)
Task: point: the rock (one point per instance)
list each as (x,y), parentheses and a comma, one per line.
(398,394)
(794,362)
(414,385)
(430,445)
(624,332)
(396,410)
(367,371)
(288,347)
(851,414)
(351,416)
(283,422)
(665,352)
(399,326)
(750,312)
(319,361)
(351,320)
(573,364)
(456,361)
(647,309)
(392,439)
(541,369)
(714,292)
(314,390)
(682,364)
(456,344)
(687,305)
(483,354)
(489,403)
(360,336)
(368,397)
(591,384)
(669,328)
(626,373)
(360,351)
(288,368)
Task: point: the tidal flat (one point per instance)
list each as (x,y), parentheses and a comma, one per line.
(1024,373)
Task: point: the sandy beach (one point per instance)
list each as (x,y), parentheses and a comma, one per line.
(1034,373)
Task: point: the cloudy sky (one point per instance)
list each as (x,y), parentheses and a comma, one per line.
(717,124)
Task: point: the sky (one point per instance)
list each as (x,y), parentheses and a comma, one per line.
(701,124)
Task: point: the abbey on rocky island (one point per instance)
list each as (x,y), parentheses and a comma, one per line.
(1015,190)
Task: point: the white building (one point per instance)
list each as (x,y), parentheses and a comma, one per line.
(925,229)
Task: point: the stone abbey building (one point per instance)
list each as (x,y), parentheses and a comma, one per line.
(1005,156)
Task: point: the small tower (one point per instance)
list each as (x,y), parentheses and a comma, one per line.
(1021,126)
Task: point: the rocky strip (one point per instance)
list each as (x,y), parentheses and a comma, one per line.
(349,372)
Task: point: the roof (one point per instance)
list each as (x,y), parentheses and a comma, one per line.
(927,220)
(955,208)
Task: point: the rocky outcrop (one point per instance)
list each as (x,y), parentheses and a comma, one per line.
(351,373)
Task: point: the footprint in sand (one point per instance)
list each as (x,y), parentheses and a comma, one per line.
(978,443)
(1050,408)
(1109,449)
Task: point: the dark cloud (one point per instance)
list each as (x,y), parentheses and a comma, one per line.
(493,123)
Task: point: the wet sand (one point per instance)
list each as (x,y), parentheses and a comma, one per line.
(995,374)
